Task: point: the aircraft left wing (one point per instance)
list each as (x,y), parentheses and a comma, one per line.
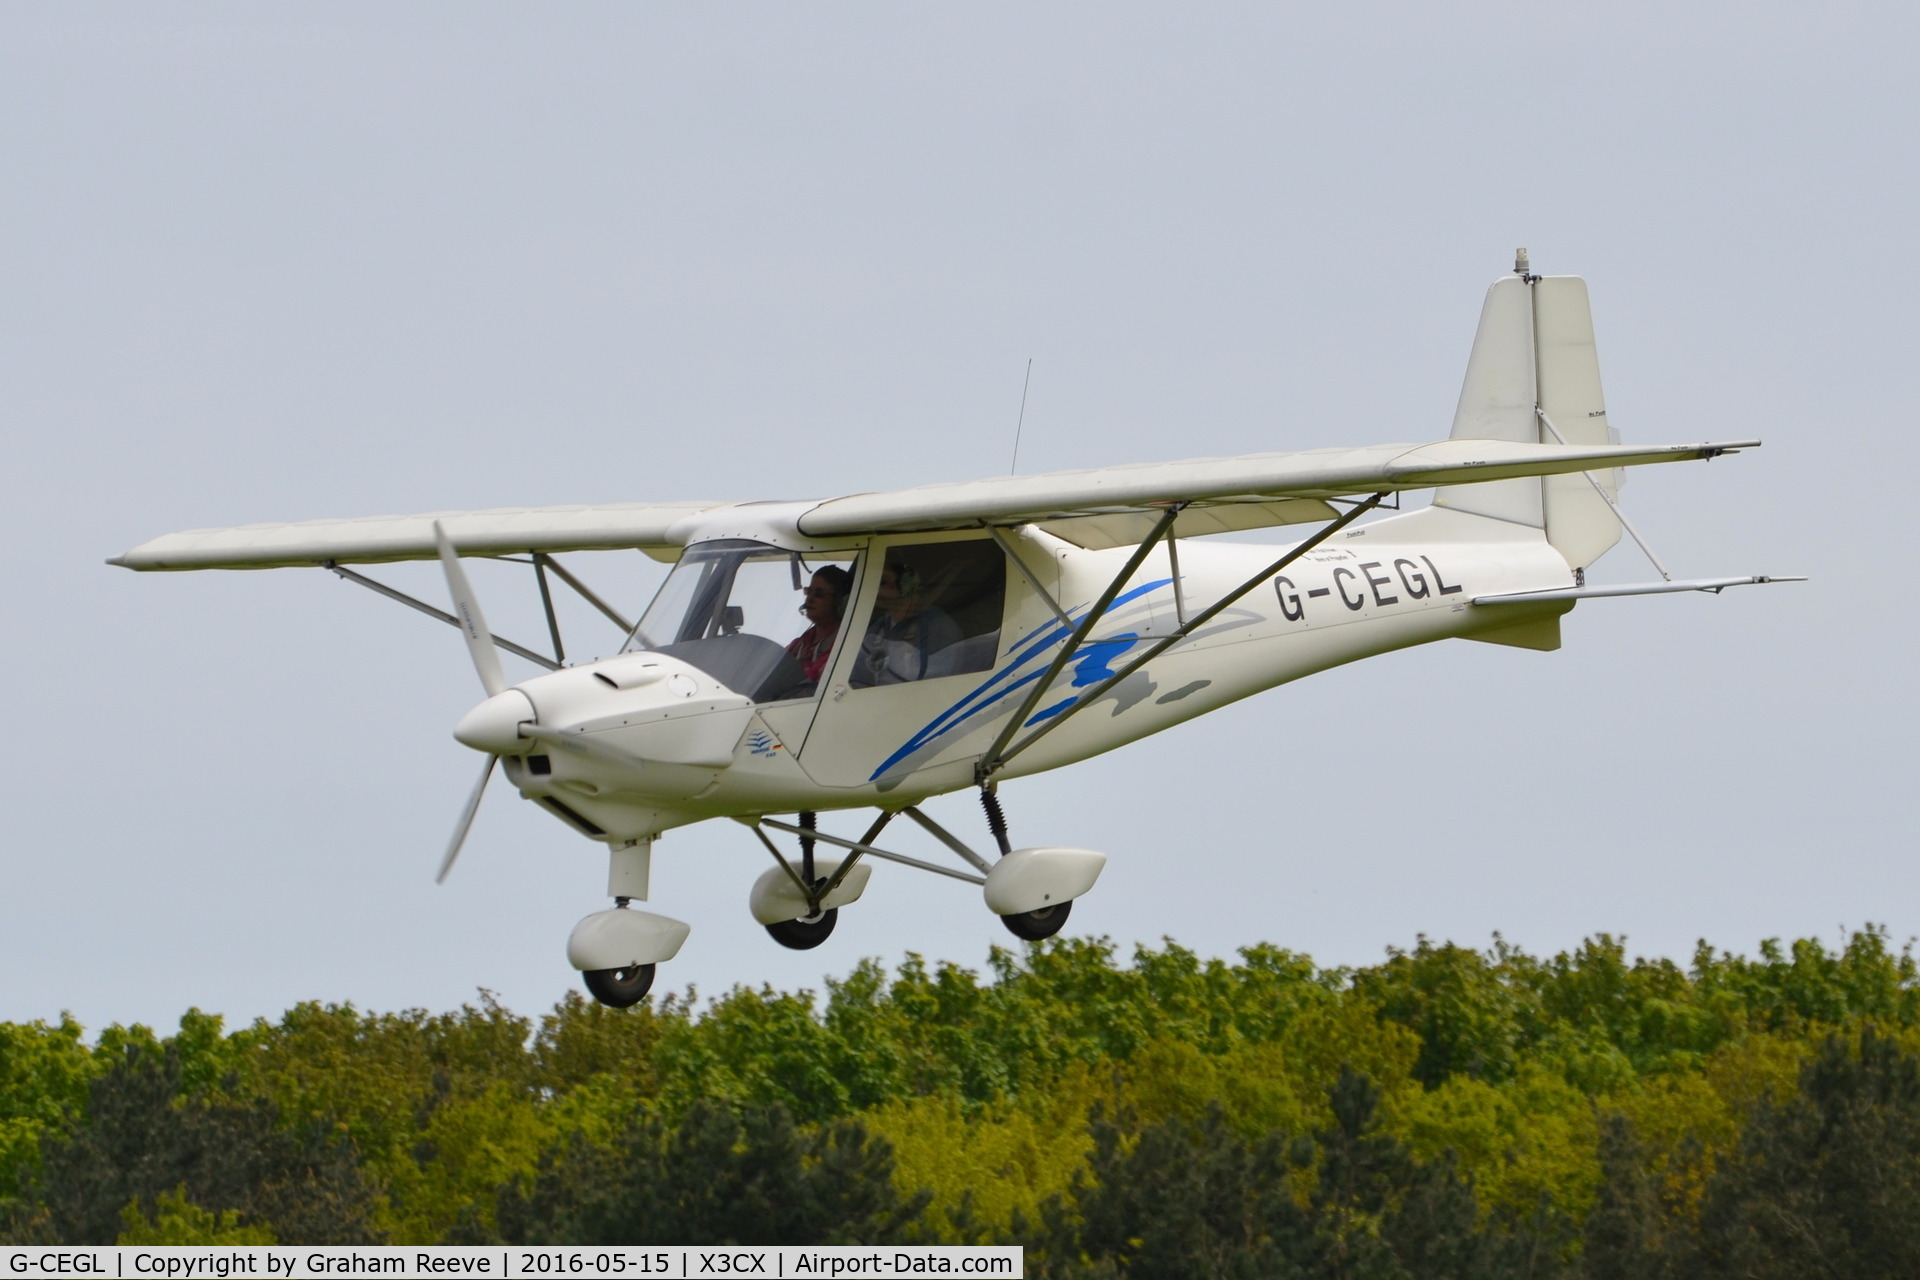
(374,539)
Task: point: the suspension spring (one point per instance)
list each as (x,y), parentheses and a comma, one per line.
(996,820)
(810,820)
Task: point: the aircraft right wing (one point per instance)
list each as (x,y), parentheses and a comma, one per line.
(1110,506)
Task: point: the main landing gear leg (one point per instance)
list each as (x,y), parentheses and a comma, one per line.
(791,901)
(808,931)
(1029,926)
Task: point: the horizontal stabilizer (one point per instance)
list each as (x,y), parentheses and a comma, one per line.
(1714,585)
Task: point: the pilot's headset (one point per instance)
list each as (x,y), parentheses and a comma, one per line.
(906,578)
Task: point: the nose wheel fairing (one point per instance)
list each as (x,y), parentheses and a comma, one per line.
(623,938)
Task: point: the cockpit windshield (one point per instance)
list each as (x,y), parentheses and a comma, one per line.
(761,621)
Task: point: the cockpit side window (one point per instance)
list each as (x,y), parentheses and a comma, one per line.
(937,613)
(762,621)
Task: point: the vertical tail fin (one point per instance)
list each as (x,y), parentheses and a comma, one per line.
(1534,354)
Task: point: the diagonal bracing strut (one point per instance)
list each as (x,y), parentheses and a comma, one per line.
(390,593)
(546,603)
(992,759)
(948,839)
(846,864)
(1610,500)
(565,575)
(860,847)
(993,531)
(998,756)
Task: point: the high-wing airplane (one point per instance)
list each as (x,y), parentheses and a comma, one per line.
(873,650)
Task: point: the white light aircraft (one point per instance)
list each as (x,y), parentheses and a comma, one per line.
(873,650)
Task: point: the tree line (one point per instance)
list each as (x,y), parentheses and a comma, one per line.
(1447,1112)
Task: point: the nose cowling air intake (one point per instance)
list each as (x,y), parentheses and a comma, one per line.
(639,708)
(494,725)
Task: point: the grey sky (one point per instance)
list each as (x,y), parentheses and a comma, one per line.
(281,262)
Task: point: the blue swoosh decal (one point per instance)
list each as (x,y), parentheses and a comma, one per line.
(1091,669)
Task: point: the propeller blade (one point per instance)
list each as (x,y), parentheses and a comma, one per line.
(466,607)
(466,820)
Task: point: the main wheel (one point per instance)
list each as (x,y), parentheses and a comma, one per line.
(1035,925)
(806,933)
(620,988)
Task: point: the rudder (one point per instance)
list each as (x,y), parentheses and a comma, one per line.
(1534,354)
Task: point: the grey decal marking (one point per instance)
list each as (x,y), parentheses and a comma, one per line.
(1184,691)
(1135,689)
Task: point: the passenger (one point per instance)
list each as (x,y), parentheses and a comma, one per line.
(824,605)
(904,632)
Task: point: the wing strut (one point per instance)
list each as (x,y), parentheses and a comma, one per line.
(561,571)
(546,603)
(391,594)
(1000,753)
(992,760)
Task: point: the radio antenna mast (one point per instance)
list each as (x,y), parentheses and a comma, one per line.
(1019,425)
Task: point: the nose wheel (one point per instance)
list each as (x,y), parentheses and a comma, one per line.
(622,988)
(616,951)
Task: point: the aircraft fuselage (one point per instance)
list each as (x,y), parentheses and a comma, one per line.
(701,751)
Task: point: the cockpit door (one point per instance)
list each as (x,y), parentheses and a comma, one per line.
(915,682)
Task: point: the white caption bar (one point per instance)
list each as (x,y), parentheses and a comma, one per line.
(630,1262)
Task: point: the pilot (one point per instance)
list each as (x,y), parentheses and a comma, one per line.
(904,633)
(824,605)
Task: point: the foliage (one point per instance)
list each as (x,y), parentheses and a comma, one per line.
(177,1220)
(1184,1199)
(43,1087)
(145,1138)
(1447,1111)
(715,1178)
(1822,1183)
